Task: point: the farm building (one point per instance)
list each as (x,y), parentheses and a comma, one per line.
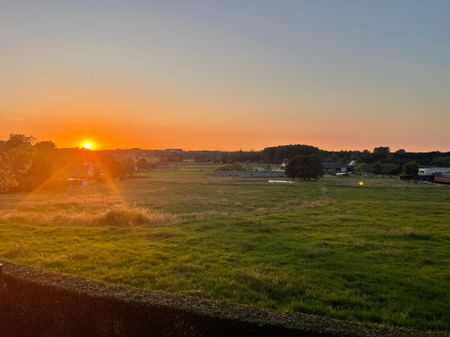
(284,164)
(442,179)
(336,169)
(434,171)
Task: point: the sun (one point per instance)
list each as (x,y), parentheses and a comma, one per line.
(87,145)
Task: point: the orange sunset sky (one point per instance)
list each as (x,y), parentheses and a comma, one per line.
(227,75)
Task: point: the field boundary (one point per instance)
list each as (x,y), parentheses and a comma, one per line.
(37,303)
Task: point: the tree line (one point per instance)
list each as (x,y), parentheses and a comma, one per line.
(380,160)
(26,164)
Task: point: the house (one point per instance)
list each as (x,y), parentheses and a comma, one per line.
(284,164)
(336,169)
(353,163)
(434,171)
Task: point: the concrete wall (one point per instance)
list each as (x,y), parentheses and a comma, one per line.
(34,303)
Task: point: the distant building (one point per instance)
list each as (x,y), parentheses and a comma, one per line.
(434,171)
(78,181)
(442,179)
(336,169)
(174,150)
(284,164)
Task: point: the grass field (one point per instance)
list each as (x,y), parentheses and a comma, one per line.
(378,253)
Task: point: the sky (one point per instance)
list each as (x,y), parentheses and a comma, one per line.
(227,75)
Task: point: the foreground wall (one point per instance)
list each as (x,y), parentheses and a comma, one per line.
(34,303)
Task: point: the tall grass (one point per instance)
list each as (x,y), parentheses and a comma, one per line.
(120,216)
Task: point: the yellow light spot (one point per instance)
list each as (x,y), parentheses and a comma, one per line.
(87,145)
(361,183)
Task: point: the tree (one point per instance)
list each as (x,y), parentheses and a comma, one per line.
(377,168)
(381,153)
(278,153)
(411,168)
(390,169)
(16,156)
(441,161)
(362,167)
(305,167)
(127,168)
(16,140)
(386,169)
(142,164)
(7,180)
(18,153)
(45,164)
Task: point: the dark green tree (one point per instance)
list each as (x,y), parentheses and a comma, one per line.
(377,169)
(390,169)
(411,168)
(305,167)
(441,161)
(278,153)
(381,153)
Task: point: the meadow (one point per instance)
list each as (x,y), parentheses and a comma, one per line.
(376,253)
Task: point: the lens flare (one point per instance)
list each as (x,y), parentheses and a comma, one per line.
(87,145)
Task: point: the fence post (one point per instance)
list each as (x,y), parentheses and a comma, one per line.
(2,279)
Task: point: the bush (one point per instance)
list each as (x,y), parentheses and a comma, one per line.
(231,167)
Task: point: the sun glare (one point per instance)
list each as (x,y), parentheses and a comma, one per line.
(87,145)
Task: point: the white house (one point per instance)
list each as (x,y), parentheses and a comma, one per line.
(434,171)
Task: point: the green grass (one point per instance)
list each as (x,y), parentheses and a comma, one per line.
(378,253)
